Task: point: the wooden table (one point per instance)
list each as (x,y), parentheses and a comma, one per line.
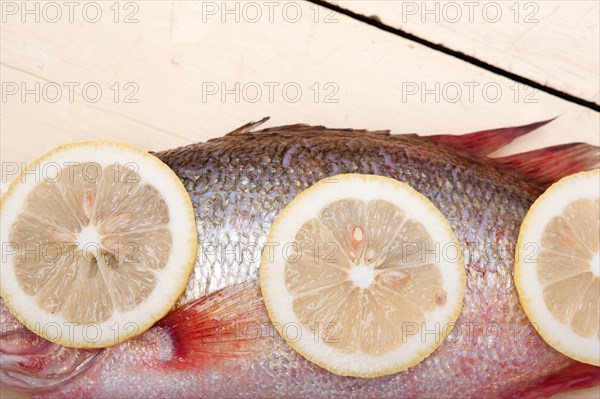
(163,74)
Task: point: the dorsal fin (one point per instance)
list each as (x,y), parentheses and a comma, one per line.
(480,144)
(300,128)
(248,127)
(547,165)
(297,128)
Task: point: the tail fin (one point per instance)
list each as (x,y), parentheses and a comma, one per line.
(547,165)
(543,166)
(483,143)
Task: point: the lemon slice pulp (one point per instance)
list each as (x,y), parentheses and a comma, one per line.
(557,271)
(99,240)
(362,275)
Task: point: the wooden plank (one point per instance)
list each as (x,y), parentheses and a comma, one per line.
(178,54)
(169,64)
(554,43)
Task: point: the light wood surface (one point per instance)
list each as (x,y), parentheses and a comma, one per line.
(176,53)
(554,43)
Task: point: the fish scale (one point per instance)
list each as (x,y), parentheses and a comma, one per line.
(411,160)
(440,175)
(239,183)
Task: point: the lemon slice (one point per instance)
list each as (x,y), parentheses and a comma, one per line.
(362,275)
(557,270)
(98,241)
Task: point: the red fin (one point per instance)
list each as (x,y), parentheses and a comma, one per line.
(547,165)
(576,376)
(303,128)
(480,144)
(248,127)
(297,128)
(228,323)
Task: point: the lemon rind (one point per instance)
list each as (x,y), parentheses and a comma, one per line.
(539,315)
(68,338)
(422,354)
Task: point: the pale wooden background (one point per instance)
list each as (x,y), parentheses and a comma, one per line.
(176,50)
(554,43)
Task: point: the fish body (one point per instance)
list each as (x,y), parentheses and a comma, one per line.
(219,341)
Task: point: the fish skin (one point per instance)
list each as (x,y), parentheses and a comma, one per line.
(238,185)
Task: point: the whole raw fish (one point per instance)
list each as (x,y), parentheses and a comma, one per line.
(219,341)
